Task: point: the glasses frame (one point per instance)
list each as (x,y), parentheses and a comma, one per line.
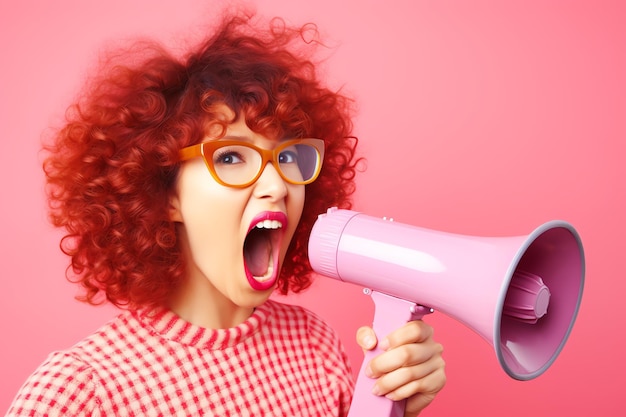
(205,149)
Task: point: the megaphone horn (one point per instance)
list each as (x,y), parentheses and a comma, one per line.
(521,294)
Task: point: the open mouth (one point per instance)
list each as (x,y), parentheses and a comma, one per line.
(261,249)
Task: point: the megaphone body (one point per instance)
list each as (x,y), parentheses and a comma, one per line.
(521,294)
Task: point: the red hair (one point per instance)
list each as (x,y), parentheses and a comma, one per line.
(112,168)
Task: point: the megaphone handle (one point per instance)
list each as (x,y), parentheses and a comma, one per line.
(390,313)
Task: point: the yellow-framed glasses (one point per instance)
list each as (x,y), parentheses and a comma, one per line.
(239,164)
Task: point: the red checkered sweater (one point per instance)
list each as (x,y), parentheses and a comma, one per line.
(282,361)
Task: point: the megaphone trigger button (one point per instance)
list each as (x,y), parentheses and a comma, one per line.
(420,311)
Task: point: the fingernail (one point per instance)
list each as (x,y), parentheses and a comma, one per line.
(368,371)
(376,390)
(384,344)
(369,342)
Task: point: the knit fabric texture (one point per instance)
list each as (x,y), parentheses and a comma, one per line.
(282,361)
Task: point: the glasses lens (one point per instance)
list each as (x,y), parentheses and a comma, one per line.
(299,162)
(236,164)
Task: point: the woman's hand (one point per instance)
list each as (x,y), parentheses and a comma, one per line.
(411,367)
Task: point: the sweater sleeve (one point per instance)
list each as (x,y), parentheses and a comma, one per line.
(61,386)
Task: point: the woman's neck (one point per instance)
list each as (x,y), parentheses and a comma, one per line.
(200,303)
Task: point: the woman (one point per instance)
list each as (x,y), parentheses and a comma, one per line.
(188,189)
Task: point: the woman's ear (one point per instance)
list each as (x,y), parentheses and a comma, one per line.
(174,210)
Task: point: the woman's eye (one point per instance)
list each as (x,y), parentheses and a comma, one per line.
(288,157)
(227,158)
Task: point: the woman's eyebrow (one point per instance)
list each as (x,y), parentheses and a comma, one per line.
(248,139)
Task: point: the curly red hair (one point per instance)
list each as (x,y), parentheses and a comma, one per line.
(111,170)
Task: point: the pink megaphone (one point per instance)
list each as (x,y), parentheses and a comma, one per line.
(521,294)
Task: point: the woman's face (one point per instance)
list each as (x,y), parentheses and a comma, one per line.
(235,238)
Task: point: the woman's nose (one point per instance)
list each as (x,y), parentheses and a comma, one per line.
(270,184)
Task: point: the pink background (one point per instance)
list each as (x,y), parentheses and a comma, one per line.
(478,117)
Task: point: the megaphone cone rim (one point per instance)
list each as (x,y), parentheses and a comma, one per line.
(531,238)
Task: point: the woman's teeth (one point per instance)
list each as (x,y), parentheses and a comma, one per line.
(269,224)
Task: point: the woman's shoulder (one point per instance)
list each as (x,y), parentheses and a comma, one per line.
(62,385)
(122,330)
(68,381)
